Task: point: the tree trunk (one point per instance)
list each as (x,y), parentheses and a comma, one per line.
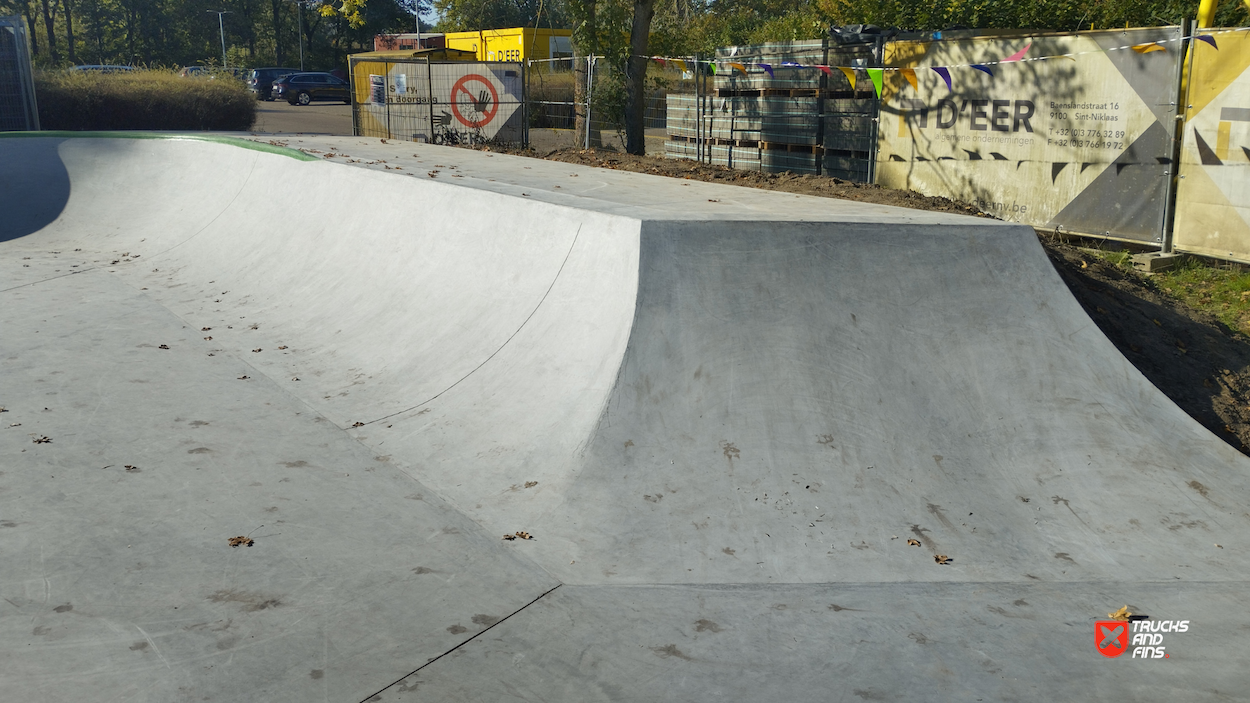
(30,26)
(69,30)
(130,32)
(47,21)
(277,31)
(99,32)
(635,78)
(585,43)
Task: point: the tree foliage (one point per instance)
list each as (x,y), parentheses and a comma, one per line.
(183,33)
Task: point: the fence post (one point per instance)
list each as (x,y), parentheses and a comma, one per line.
(698,115)
(525,103)
(429,87)
(590,87)
(1178,135)
(21,48)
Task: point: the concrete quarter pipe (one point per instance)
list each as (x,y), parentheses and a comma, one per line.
(739,426)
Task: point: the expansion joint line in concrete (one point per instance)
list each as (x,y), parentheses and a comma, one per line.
(505,342)
(501,621)
(45,280)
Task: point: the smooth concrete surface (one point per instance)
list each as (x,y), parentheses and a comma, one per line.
(722,413)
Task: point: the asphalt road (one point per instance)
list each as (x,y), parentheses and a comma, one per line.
(319,118)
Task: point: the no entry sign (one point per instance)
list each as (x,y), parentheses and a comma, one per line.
(474,101)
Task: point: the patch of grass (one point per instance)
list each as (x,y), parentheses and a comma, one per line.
(148,99)
(1222,290)
(1120,259)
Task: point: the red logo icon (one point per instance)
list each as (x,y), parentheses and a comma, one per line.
(1111,637)
(474,109)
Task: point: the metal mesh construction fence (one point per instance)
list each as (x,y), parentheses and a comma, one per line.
(555,104)
(18,110)
(456,102)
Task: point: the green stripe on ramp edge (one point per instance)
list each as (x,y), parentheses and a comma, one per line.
(232,141)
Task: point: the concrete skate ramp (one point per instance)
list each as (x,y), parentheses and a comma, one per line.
(721,413)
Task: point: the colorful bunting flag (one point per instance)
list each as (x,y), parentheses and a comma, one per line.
(1208,39)
(979,67)
(768,68)
(910,75)
(874,75)
(659,60)
(826,70)
(1018,55)
(678,63)
(850,75)
(711,66)
(1147,48)
(945,73)
(738,67)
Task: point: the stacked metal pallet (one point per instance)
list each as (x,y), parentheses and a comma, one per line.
(788,118)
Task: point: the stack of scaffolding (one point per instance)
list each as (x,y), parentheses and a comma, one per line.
(796,119)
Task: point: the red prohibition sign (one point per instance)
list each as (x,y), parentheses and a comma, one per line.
(487,110)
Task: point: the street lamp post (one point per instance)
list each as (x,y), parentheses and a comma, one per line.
(221,26)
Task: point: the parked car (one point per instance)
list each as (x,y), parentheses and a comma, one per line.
(193,72)
(260,80)
(304,88)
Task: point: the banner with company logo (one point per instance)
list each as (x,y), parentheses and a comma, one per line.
(1070,132)
(1213,192)
(440,103)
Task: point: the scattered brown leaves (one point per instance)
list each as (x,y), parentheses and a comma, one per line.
(241,541)
(358,424)
(205,329)
(941,559)
(282,347)
(1122,614)
(524,535)
(244,377)
(531,484)
(913,542)
(131,468)
(163,346)
(43,439)
(509,537)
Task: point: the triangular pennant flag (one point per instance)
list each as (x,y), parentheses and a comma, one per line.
(791,64)
(979,67)
(711,66)
(1208,39)
(910,75)
(1018,55)
(1147,48)
(826,70)
(874,75)
(850,75)
(659,60)
(945,73)
(768,68)
(738,67)
(678,63)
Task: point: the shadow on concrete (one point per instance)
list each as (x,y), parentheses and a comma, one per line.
(34,186)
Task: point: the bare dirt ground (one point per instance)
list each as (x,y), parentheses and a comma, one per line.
(1190,355)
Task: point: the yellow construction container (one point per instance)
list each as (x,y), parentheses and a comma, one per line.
(515,44)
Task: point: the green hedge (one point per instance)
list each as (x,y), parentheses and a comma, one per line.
(73,100)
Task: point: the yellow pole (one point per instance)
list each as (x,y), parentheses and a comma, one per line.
(1206,13)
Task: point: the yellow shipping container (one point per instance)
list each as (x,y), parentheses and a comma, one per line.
(515,44)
